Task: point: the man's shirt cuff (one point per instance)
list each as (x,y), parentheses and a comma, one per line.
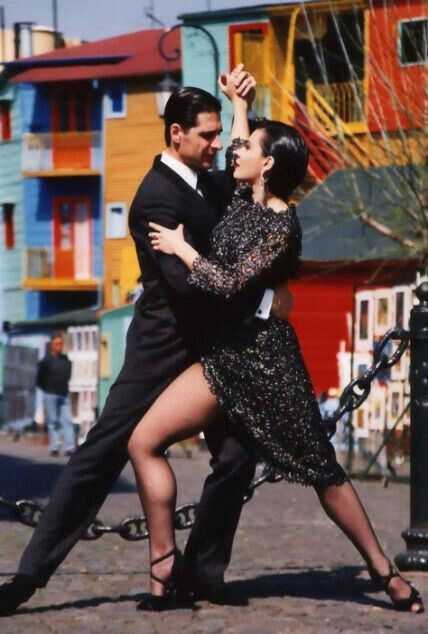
(263,311)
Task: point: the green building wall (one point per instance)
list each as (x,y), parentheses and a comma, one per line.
(113,327)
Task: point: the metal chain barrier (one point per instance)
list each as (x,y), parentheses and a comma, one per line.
(135,528)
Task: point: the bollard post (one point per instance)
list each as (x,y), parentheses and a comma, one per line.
(416,536)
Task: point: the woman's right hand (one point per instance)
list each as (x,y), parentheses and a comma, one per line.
(227,86)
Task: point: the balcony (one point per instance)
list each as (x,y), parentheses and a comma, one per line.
(348,101)
(44,270)
(61,154)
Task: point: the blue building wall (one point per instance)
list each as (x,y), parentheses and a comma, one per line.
(39,194)
(35,109)
(40,304)
(11,260)
(198,55)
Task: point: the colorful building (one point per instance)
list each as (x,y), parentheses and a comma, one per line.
(90,131)
(23,41)
(350,74)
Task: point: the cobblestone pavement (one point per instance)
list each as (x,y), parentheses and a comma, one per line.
(297,571)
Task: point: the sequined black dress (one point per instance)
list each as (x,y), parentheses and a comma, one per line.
(259,377)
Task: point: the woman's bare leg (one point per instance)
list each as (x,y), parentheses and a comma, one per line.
(343,506)
(186,407)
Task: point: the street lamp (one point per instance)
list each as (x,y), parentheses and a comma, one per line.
(167,85)
(164,89)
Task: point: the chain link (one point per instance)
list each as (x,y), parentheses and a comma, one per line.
(135,528)
(358,390)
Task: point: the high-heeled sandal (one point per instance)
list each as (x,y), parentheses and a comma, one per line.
(402,605)
(176,595)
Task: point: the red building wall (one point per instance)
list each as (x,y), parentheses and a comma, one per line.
(319,317)
(397,96)
(323,307)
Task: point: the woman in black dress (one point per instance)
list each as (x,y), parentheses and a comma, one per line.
(258,377)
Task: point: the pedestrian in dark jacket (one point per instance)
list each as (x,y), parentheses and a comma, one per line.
(53,376)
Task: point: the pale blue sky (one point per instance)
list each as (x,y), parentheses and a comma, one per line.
(96,19)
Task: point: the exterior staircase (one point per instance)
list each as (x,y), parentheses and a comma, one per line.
(331,141)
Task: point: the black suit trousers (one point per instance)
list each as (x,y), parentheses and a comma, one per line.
(93,469)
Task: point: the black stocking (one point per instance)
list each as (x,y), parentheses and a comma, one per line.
(343,506)
(185,408)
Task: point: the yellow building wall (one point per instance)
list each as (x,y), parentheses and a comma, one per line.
(130,146)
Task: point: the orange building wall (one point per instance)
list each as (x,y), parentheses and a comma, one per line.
(397,96)
(131,144)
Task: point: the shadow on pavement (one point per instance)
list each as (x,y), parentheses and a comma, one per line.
(342,584)
(24,478)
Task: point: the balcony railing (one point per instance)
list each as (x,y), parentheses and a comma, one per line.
(347,99)
(38,263)
(42,273)
(61,151)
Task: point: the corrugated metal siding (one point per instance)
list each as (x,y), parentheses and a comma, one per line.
(11,192)
(14,304)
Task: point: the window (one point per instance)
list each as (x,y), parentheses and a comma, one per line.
(71,110)
(364,320)
(9,227)
(116,102)
(413,41)
(116,220)
(5,124)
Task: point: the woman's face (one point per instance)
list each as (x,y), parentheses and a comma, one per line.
(250,162)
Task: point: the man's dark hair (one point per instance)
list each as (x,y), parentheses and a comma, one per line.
(184,105)
(57,334)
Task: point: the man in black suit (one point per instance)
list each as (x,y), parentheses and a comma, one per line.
(169,320)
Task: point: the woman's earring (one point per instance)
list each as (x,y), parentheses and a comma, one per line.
(263,186)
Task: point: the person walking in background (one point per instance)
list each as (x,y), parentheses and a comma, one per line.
(53,376)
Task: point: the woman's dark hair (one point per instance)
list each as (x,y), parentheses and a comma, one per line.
(184,105)
(290,152)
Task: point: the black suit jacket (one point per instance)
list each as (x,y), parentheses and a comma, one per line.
(171,317)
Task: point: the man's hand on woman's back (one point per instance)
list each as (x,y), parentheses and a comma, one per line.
(282,302)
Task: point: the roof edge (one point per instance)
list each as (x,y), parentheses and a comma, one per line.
(90,60)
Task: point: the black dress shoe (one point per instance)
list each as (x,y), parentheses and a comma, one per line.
(16,591)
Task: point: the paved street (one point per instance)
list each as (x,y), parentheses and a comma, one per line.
(297,571)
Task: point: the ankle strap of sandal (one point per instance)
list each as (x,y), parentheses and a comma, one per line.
(166,556)
(384,580)
(158,561)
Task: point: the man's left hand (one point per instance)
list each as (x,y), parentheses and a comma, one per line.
(245,84)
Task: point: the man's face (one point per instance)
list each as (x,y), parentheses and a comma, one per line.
(57,345)
(197,146)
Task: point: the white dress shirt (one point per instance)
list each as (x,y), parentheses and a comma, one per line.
(191,178)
